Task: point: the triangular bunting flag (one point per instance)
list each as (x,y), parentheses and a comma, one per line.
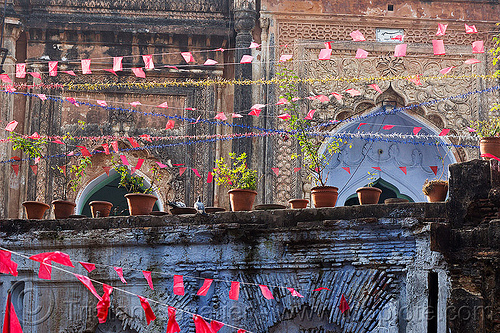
(347,169)
(119,271)
(150,316)
(434,169)
(234,292)
(181,171)
(343,306)
(266,292)
(88,266)
(11,323)
(147,276)
(403,169)
(178,285)
(205,287)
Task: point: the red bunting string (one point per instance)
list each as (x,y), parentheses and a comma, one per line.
(87,283)
(7,266)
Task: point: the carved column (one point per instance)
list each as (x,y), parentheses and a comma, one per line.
(244,21)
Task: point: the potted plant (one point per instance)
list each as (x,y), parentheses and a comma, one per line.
(139,198)
(33,148)
(369,195)
(435,190)
(239,179)
(489,133)
(322,195)
(298,203)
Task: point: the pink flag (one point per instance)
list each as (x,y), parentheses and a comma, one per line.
(150,316)
(210,177)
(52,68)
(343,306)
(361,54)
(124,160)
(5,78)
(416,130)
(446,70)
(281,101)
(7,266)
(471,61)
(147,276)
(102,103)
(88,266)
(63,169)
(257,106)
(266,292)
(43,97)
(276,171)
(337,96)
(236,115)
(434,169)
(163,105)
(11,323)
(196,172)
(139,163)
(133,142)
(322,98)
(34,168)
(347,169)
(117,64)
(246,59)
(170,124)
(35,136)
(182,170)
(360,124)
(69,73)
(470,29)
(110,70)
(161,165)
(253,45)
(376,87)
(11,126)
(353,92)
(86,66)
(438,47)
(403,169)
(148,61)
(478,46)
(139,72)
(441,29)
(73,101)
(210,62)
(114,144)
(234,292)
(36,75)
(357,36)
(205,287)
(106,169)
(178,285)
(325,54)
(87,283)
(444,131)
(188,57)
(377,168)
(255,112)
(134,104)
(106,148)
(400,50)
(294,292)
(416,80)
(310,114)
(284,116)
(285,57)
(84,151)
(119,271)
(398,37)
(221,116)
(172,326)
(21,71)
(296,170)
(388,127)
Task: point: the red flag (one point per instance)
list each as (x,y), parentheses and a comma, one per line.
(216,325)
(266,292)
(201,326)
(343,306)
(434,169)
(11,126)
(52,68)
(296,169)
(444,131)
(16,168)
(106,169)
(234,292)
(321,288)
(139,163)
(181,171)
(106,148)
(178,285)
(148,61)
(403,169)
(388,127)
(347,169)
(88,266)
(188,57)
(147,276)
(117,64)
(133,142)
(196,172)
(84,151)
(103,304)
(11,322)
(416,130)
(124,160)
(7,266)
(255,112)
(172,326)
(163,105)
(376,87)
(119,271)
(110,70)
(204,288)
(114,144)
(70,73)
(63,169)
(5,78)
(170,124)
(294,292)
(34,168)
(360,124)
(146,137)
(276,171)
(241,331)
(45,259)
(150,316)
(377,168)
(210,177)
(139,72)
(87,283)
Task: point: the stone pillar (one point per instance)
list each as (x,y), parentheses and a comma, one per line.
(244,21)
(10,204)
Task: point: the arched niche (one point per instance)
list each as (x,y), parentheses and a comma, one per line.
(105,188)
(362,155)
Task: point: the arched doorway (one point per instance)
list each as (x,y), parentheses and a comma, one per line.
(386,159)
(106,188)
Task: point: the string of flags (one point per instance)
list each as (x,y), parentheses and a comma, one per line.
(46,260)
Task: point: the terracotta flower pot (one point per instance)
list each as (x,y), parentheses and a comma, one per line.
(491,146)
(63,209)
(35,209)
(140,203)
(241,199)
(438,192)
(324,196)
(100,208)
(368,195)
(298,203)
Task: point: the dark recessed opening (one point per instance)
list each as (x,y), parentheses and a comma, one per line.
(432,319)
(390,8)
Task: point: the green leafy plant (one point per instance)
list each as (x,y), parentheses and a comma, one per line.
(298,128)
(31,147)
(135,183)
(235,174)
(487,128)
(79,171)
